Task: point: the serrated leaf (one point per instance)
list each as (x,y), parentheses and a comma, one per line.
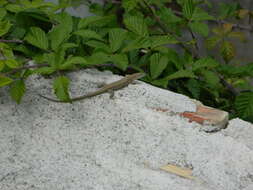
(58,35)
(120,61)
(44,70)
(162,40)
(4,27)
(72,61)
(37,37)
(98,45)
(11,63)
(137,25)
(212,42)
(227,9)
(116,38)
(128,5)
(2,13)
(66,46)
(244,104)
(227,50)
(194,87)
(13,8)
(200,28)
(89,34)
(17,90)
(201,15)
(98,58)
(206,62)
(157,64)
(212,79)
(138,43)
(61,86)
(5,81)
(161,82)
(167,15)
(188,8)
(61,33)
(181,74)
(95,21)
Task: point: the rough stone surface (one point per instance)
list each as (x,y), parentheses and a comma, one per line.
(120,143)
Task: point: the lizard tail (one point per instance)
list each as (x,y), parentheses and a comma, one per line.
(53,100)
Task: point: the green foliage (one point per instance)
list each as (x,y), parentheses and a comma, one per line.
(244,105)
(130,35)
(37,37)
(61,85)
(17,90)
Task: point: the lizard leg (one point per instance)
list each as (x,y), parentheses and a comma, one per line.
(111,92)
(135,82)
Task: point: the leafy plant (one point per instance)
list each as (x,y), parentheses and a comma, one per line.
(141,35)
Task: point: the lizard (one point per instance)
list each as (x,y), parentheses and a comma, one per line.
(128,79)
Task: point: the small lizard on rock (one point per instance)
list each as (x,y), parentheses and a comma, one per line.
(128,79)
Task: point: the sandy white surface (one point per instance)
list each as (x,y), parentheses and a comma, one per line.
(113,144)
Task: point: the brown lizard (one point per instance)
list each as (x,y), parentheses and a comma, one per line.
(106,88)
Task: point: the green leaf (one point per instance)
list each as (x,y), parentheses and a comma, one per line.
(89,34)
(211,78)
(95,21)
(244,104)
(61,85)
(72,61)
(128,5)
(44,70)
(61,33)
(162,40)
(206,62)
(11,63)
(188,9)
(116,38)
(2,13)
(66,46)
(4,27)
(2,63)
(161,82)
(157,64)
(120,61)
(98,45)
(201,15)
(181,74)
(98,58)
(137,25)
(194,87)
(17,90)
(227,9)
(14,8)
(167,15)
(5,81)
(200,28)
(138,43)
(227,50)
(6,51)
(37,37)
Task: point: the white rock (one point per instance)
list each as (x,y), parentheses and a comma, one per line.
(114,144)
